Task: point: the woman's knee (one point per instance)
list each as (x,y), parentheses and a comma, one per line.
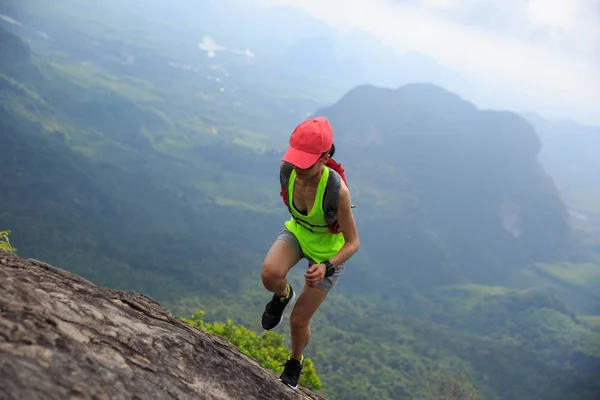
(272,273)
(299,320)
(280,258)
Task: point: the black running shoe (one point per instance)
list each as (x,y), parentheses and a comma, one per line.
(291,372)
(273,315)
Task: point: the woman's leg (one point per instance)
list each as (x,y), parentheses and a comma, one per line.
(309,301)
(280,258)
(307,304)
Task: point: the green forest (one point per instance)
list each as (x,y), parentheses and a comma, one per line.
(476,268)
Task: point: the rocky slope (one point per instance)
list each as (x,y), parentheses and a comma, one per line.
(61,337)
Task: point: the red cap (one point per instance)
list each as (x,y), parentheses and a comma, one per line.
(309,140)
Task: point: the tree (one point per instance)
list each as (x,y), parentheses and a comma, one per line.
(447,387)
(5,242)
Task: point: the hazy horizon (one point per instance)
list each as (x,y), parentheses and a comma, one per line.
(536,57)
(540,57)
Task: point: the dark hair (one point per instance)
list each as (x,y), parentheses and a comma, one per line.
(331,151)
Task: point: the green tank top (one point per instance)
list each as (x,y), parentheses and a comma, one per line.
(311,230)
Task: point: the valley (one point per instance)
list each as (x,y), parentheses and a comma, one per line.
(143,156)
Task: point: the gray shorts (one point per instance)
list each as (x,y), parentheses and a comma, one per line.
(327,283)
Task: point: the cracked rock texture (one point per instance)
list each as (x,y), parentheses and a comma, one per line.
(61,337)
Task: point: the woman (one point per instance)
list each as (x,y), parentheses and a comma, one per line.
(307,235)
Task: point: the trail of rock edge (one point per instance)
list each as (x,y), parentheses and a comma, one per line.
(62,337)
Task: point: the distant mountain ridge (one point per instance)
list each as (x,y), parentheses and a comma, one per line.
(571,153)
(475,172)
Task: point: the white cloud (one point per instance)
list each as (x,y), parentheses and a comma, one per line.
(559,13)
(547,50)
(248,53)
(10,20)
(209,45)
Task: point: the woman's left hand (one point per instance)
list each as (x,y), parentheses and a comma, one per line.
(315,274)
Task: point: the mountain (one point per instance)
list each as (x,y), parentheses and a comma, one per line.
(82,185)
(62,337)
(473,177)
(570,154)
(114,172)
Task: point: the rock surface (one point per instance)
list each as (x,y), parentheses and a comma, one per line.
(61,337)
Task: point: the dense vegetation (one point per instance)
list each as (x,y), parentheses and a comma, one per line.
(267,348)
(140,177)
(5,242)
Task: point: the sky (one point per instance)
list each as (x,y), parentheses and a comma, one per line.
(538,55)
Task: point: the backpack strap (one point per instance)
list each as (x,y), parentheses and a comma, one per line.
(330,200)
(284,179)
